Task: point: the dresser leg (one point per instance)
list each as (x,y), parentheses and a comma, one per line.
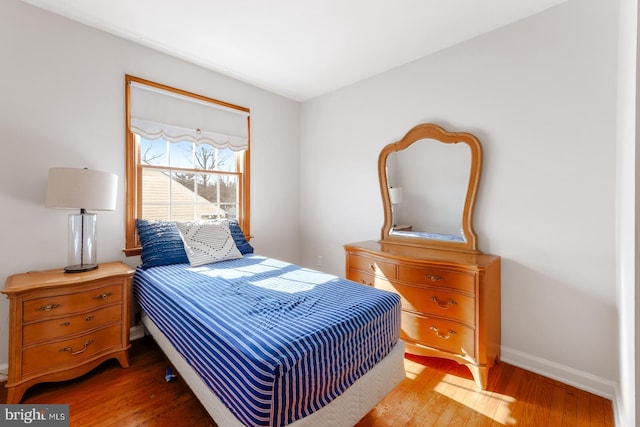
(14,394)
(123,359)
(480,375)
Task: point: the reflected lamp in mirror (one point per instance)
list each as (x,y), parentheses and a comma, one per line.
(82,189)
(395,197)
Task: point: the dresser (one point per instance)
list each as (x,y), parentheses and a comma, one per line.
(62,325)
(450,300)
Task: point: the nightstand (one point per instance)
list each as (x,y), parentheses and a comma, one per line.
(62,325)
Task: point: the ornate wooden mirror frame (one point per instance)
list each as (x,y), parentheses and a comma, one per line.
(433,132)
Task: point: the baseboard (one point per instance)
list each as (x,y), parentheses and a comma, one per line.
(618,410)
(136,332)
(574,377)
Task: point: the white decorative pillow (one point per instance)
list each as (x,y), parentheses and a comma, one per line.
(207,242)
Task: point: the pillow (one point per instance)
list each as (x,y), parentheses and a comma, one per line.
(207,242)
(161,243)
(238,236)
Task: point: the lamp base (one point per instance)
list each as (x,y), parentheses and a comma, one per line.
(82,243)
(80,268)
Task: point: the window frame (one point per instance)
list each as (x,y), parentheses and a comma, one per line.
(133,170)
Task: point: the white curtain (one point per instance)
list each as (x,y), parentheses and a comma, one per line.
(156,113)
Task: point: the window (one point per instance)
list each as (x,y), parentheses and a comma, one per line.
(187,158)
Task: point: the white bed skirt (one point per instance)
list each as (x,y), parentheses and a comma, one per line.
(344,411)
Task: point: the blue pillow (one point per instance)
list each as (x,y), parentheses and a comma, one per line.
(161,243)
(238,236)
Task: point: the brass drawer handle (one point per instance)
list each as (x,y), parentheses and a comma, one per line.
(65,324)
(443,305)
(88,318)
(444,337)
(434,278)
(364,282)
(372,267)
(49,307)
(103,296)
(82,350)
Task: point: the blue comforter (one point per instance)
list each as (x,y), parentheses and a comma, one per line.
(274,341)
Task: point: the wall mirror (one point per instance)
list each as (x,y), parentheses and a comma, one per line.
(428,181)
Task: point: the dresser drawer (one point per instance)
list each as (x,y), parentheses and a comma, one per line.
(361,277)
(434,301)
(60,327)
(60,305)
(433,276)
(70,351)
(372,265)
(369,279)
(440,334)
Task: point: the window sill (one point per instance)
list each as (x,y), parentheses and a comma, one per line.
(132,251)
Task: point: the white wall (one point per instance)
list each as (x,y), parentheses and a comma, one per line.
(540,94)
(62,104)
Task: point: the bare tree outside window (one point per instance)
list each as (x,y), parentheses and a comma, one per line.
(206,172)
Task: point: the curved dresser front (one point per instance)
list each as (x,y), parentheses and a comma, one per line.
(450,299)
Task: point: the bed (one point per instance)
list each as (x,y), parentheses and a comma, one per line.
(263,342)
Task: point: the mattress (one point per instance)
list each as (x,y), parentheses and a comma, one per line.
(273,341)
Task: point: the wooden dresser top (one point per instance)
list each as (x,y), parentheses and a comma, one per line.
(405,252)
(53,278)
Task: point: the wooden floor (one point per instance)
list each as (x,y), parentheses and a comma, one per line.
(436,392)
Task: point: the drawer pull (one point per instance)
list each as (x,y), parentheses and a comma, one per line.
(82,350)
(372,267)
(65,324)
(443,305)
(434,278)
(103,296)
(444,337)
(88,318)
(49,307)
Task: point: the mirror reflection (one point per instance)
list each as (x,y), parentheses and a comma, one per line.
(427,189)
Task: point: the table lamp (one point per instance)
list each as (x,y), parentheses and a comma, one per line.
(83,189)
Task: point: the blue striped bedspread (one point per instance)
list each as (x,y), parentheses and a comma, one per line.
(274,341)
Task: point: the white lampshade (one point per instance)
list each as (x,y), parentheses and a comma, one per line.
(395,195)
(73,188)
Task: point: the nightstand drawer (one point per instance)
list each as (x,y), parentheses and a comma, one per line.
(60,305)
(437,277)
(71,351)
(452,337)
(56,328)
(372,265)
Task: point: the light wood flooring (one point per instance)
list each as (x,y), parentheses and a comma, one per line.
(436,392)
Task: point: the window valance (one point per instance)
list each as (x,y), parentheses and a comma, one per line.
(156,113)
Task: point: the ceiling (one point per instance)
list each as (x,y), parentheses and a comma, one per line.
(297,48)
